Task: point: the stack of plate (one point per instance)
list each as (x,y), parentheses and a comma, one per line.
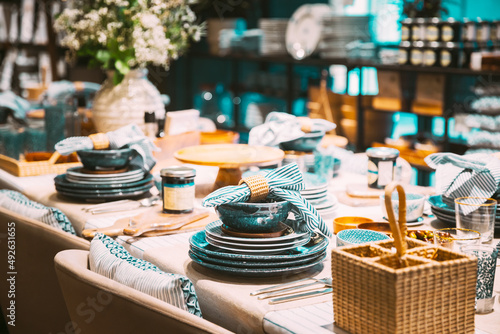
(273,41)
(339,31)
(316,192)
(446,213)
(89,185)
(289,253)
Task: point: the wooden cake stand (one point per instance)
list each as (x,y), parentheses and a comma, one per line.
(229,158)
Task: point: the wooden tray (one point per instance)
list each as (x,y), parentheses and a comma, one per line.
(34,168)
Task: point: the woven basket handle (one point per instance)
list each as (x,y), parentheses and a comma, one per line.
(398,232)
(54,157)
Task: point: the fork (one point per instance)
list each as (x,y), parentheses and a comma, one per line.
(327,281)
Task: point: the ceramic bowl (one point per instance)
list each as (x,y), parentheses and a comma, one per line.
(253,217)
(306,143)
(344,223)
(358,236)
(382,227)
(414,206)
(93,159)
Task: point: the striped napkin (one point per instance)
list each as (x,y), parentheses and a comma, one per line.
(474,175)
(128,136)
(284,183)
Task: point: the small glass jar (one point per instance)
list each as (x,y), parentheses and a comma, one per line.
(432,32)
(495,31)
(450,30)
(418,29)
(469,48)
(404,53)
(417,53)
(469,31)
(406,29)
(432,53)
(381,166)
(178,189)
(483,30)
(451,55)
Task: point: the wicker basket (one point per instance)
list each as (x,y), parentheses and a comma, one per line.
(420,288)
(34,168)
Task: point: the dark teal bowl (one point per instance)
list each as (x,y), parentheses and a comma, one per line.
(306,143)
(254,217)
(95,159)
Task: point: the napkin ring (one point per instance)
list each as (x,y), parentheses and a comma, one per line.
(258,187)
(100,141)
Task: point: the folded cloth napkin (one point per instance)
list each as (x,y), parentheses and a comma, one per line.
(281,127)
(284,184)
(474,175)
(15,104)
(17,202)
(128,136)
(60,90)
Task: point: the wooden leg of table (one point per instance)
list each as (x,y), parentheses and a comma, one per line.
(227,177)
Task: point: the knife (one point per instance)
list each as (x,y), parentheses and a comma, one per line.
(300,296)
(171,224)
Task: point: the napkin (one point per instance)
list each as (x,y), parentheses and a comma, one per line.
(284,184)
(128,136)
(17,105)
(61,90)
(475,175)
(281,127)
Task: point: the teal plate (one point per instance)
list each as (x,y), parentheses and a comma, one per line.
(104,191)
(257,272)
(437,205)
(317,244)
(256,264)
(60,180)
(104,197)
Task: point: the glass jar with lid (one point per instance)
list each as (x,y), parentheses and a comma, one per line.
(404,56)
(432,26)
(450,30)
(406,29)
(178,190)
(451,55)
(418,29)
(431,54)
(495,31)
(469,48)
(483,30)
(469,31)
(417,53)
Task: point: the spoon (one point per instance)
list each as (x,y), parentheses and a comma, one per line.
(143,203)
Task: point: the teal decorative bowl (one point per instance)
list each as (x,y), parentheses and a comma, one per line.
(306,143)
(358,236)
(254,217)
(94,159)
(414,206)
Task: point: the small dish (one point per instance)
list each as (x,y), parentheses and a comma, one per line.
(414,206)
(344,223)
(253,217)
(358,236)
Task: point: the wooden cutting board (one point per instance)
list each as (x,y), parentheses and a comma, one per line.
(156,216)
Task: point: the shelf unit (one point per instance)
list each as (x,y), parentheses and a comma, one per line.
(424,121)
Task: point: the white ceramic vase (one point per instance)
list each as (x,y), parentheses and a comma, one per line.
(125,103)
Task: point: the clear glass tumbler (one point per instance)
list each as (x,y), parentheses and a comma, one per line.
(478,214)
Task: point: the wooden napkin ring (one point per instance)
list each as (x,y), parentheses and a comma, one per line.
(258,187)
(100,141)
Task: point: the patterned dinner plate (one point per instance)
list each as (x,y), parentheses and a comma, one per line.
(105,197)
(60,180)
(113,191)
(256,264)
(132,178)
(254,248)
(258,272)
(215,231)
(317,244)
(76,172)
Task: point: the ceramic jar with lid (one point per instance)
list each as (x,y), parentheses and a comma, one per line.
(469,31)
(404,56)
(432,26)
(450,30)
(418,29)
(431,54)
(406,29)
(451,55)
(483,30)
(417,53)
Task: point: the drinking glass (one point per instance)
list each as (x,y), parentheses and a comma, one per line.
(486,266)
(478,214)
(323,165)
(455,238)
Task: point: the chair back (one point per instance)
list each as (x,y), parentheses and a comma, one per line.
(39,303)
(97,304)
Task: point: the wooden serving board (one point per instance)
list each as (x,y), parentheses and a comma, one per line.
(155,216)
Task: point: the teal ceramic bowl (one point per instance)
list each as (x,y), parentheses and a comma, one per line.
(306,143)
(95,159)
(253,217)
(358,236)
